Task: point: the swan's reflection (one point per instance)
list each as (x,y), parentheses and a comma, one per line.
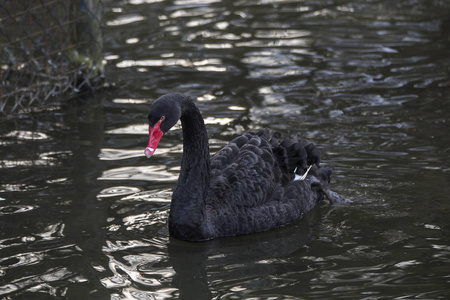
(237,266)
(240,264)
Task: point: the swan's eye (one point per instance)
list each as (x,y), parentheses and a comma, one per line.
(163,118)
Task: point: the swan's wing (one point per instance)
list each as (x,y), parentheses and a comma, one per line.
(249,191)
(245,172)
(226,156)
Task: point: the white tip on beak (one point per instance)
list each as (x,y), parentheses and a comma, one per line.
(149,152)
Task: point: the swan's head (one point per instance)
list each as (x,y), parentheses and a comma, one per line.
(164,114)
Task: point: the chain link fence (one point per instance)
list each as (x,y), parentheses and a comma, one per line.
(48,49)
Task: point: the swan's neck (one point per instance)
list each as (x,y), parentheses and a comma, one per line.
(190,195)
(195,164)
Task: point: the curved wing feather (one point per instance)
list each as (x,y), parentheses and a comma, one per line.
(244,172)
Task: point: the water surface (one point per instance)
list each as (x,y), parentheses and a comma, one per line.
(83,213)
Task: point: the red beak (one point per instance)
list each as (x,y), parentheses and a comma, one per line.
(155,135)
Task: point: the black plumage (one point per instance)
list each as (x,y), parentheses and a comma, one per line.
(248,186)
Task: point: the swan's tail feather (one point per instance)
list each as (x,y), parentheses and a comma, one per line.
(323,174)
(320,178)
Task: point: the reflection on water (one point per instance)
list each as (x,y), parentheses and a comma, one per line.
(150,173)
(83,213)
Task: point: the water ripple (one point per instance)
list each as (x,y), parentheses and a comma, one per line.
(45,282)
(150,196)
(23,135)
(16,209)
(125,19)
(119,154)
(150,173)
(117,191)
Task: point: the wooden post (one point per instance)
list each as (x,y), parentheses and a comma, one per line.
(89,44)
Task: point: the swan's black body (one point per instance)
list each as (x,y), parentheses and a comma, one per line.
(246,187)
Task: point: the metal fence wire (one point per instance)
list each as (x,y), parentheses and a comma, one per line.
(48,48)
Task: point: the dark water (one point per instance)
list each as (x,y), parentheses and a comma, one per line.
(83,213)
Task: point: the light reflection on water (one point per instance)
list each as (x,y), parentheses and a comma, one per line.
(84,213)
(150,173)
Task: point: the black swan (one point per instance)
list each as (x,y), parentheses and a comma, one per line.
(251,185)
